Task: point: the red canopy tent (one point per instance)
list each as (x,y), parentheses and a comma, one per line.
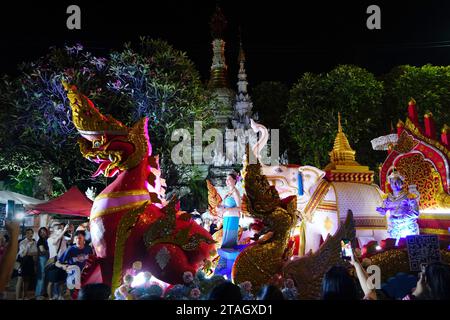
(71,203)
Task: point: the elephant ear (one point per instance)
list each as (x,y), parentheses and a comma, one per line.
(262,198)
(214,198)
(308,271)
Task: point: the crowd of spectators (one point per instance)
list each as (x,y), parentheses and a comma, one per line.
(51,267)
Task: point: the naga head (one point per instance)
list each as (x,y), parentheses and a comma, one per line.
(105,140)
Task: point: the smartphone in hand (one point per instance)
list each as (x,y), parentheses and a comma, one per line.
(346,247)
(7,217)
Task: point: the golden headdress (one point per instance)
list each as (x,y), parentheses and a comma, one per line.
(395,175)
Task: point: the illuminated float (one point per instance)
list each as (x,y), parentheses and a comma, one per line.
(130,220)
(423,160)
(415,177)
(325,196)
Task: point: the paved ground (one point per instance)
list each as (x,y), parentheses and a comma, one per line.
(10,293)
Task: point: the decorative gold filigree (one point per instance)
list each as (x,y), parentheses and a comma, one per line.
(163,227)
(87,119)
(394,261)
(137,136)
(214,198)
(416,170)
(258,263)
(405,143)
(416,132)
(391,262)
(442,198)
(162,231)
(309,270)
(262,197)
(126,224)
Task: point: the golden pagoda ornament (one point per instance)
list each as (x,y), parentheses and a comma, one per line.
(343,166)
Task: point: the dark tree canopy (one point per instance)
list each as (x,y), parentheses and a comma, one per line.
(314,103)
(428,85)
(150,79)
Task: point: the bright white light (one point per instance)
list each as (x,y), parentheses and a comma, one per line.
(436,211)
(378,248)
(405,233)
(20,216)
(138,280)
(296,231)
(246,221)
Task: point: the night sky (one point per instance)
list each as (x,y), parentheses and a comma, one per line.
(282,39)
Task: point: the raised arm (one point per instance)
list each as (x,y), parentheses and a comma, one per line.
(369,293)
(55,240)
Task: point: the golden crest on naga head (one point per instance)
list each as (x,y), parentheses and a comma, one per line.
(105,139)
(88,120)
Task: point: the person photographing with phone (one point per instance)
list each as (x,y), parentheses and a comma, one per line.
(339,284)
(433,283)
(57,245)
(361,274)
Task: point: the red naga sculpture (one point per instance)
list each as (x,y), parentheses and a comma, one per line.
(130,220)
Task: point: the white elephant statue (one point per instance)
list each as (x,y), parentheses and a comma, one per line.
(323,204)
(324,207)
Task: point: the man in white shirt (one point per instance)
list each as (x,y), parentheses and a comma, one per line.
(57,245)
(27,256)
(57,240)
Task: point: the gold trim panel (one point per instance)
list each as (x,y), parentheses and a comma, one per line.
(119,194)
(443,232)
(118,208)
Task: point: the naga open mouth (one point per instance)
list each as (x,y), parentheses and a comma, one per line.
(108,163)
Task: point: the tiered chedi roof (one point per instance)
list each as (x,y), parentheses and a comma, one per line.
(343,166)
(243,105)
(218,81)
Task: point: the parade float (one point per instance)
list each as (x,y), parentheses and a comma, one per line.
(303,212)
(342,201)
(422,159)
(325,196)
(130,221)
(415,203)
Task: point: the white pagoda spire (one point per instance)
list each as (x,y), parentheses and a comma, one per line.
(244,105)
